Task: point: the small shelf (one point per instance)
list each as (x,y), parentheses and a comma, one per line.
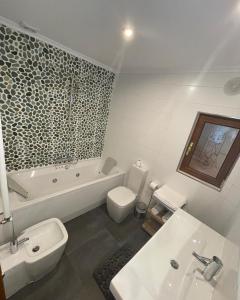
(157,217)
(151,226)
(153,221)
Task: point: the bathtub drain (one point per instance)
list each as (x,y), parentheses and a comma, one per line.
(54,180)
(35,249)
(77,174)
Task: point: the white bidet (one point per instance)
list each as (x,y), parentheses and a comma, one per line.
(34,258)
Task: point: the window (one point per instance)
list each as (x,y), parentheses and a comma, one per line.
(212,149)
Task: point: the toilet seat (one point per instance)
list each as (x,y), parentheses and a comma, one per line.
(122,196)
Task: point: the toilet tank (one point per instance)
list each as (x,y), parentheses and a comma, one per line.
(136,178)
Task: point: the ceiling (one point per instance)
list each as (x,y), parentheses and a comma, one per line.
(170,35)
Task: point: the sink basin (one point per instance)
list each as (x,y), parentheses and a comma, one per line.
(149,275)
(36,257)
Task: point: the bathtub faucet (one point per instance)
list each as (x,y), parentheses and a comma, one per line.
(67,161)
(212,265)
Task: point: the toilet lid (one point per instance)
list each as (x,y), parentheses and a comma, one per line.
(122,196)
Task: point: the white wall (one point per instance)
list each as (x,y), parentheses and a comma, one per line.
(151,118)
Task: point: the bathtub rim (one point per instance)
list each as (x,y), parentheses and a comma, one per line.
(58,167)
(24,204)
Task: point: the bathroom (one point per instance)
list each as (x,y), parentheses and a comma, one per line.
(99,103)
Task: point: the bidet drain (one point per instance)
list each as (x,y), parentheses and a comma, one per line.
(174,264)
(35,249)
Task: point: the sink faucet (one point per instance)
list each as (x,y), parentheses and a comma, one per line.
(212,265)
(15,243)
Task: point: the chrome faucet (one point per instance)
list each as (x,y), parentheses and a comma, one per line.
(212,265)
(66,161)
(15,243)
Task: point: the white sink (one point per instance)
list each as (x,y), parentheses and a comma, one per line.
(49,239)
(150,276)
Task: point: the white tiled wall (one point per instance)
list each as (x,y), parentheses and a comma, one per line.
(151,118)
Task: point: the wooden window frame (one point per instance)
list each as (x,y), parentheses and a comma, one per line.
(230,160)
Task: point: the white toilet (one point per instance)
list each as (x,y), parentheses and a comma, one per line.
(121,200)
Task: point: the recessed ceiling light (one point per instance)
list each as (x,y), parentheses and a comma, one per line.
(238,7)
(192,88)
(128,33)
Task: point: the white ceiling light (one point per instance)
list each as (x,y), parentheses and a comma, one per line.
(128,33)
(238,7)
(192,88)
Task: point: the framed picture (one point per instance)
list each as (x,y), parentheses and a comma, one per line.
(212,149)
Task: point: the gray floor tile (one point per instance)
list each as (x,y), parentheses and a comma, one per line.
(91,291)
(83,228)
(122,231)
(137,239)
(63,283)
(86,258)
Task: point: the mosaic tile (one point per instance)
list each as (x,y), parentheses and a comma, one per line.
(36,80)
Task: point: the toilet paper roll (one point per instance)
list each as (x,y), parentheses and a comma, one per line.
(154,185)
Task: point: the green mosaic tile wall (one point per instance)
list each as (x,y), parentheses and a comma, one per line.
(35,90)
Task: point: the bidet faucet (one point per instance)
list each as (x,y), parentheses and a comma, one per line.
(212,265)
(15,243)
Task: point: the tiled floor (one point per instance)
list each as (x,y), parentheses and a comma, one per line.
(92,238)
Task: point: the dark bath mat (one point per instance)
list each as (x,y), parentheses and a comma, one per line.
(110,267)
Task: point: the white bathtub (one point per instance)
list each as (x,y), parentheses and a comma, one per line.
(59,192)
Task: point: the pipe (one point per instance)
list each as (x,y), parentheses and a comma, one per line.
(3,179)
